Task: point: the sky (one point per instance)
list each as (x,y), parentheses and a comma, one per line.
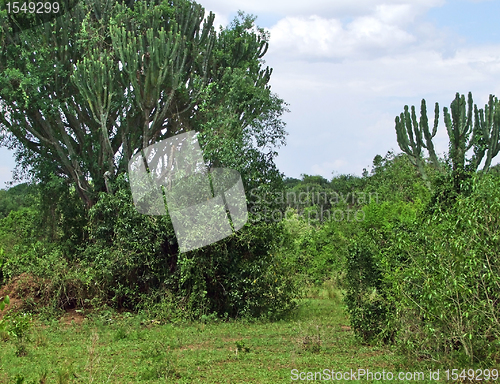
(347,69)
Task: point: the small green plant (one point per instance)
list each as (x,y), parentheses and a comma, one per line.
(3,322)
(120,334)
(159,363)
(18,326)
(3,302)
(207,319)
(241,347)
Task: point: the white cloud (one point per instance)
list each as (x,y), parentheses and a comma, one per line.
(395,14)
(385,29)
(315,37)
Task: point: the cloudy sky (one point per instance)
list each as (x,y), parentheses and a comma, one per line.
(348,67)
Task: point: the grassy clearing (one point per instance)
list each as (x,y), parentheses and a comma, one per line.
(124,350)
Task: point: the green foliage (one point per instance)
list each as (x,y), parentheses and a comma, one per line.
(15,198)
(128,253)
(447,293)
(24,249)
(18,327)
(394,178)
(314,254)
(181,75)
(420,270)
(239,118)
(3,322)
(392,196)
(411,137)
(175,75)
(132,261)
(241,276)
(61,213)
(345,184)
(18,228)
(425,279)
(5,301)
(75,67)
(364,296)
(81,234)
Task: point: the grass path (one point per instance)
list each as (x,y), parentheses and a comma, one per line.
(125,351)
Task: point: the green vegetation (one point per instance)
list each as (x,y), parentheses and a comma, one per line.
(407,254)
(128,349)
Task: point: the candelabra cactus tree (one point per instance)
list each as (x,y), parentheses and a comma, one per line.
(461,134)
(467,126)
(411,136)
(486,125)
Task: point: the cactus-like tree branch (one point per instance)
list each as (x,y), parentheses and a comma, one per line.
(486,126)
(410,134)
(459,125)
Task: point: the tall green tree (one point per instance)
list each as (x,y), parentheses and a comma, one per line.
(98,83)
(82,94)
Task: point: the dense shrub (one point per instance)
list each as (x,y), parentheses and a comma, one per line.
(132,261)
(364,296)
(23,249)
(133,257)
(430,282)
(446,297)
(243,275)
(315,253)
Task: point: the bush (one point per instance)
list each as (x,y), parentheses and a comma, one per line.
(315,254)
(370,262)
(365,293)
(127,253)
(429,281)
(133,259)
(446,298)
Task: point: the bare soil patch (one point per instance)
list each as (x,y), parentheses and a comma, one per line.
(21,289)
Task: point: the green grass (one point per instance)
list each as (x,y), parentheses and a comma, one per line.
(125,351)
